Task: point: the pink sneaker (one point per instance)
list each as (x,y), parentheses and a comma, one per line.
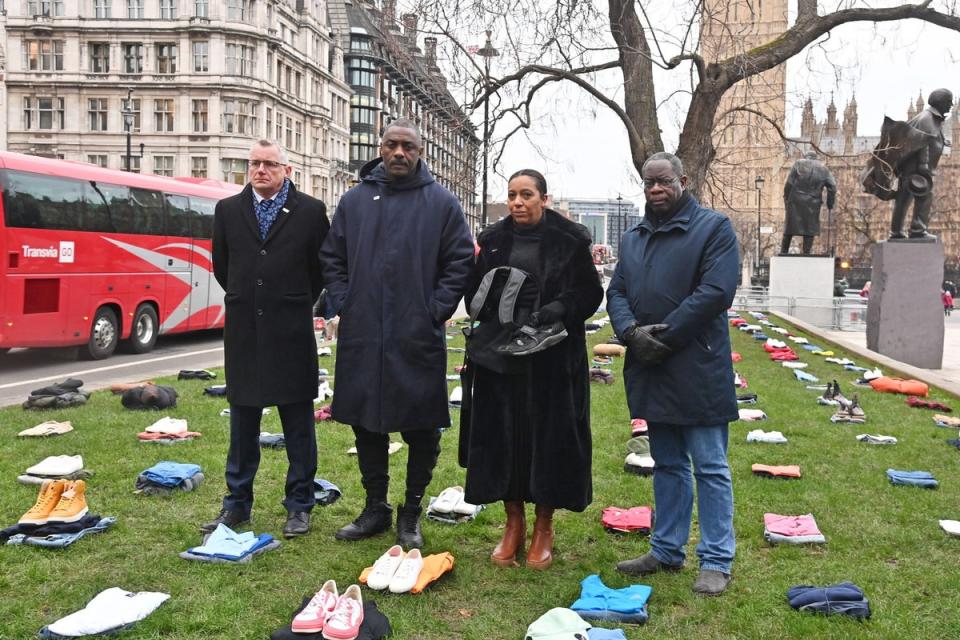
(315,614)
(344,623)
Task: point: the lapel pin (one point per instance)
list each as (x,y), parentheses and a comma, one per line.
(376,197)
(285,210)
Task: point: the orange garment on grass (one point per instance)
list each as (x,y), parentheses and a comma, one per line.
(434,566)
(781,471)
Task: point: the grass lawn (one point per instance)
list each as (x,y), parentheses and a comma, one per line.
(884,538)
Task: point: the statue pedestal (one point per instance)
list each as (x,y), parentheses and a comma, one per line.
(808,281)
(905,313)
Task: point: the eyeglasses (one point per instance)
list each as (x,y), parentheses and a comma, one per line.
(267,164)
(650,183)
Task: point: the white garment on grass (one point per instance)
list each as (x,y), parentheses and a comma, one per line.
(793,364)
(109,609)
(456,396)
(876,439)
(167,424)
(56,466)
(759,435)
(751,415)
(951,526)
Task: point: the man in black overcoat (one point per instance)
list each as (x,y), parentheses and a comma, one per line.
(266,244)
(395,264)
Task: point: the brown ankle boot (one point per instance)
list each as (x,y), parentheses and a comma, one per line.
(514,535)
(540,554)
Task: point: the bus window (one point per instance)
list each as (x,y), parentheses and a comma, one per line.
(42,202)
(108,208)
(148,211)
(203,217)
(178,216)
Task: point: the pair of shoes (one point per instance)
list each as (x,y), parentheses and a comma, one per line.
(338,617)
(408,526)
(58,501)
(527,340)
(711,583)
(849,411)
(396,570)
(375,518)
(645,565)
(451,500)
(298,524)
(229,517)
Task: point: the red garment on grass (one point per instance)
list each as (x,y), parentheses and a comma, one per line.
(784,354)
(736,357)
(791,525)
(323,413)
(917,403)
(638,519)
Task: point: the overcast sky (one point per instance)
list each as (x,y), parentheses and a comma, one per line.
(582,148)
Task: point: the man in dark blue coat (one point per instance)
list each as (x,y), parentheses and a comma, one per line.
(395,265)
(266,256)
(676,277)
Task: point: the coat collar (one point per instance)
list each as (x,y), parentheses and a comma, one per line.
(289,207)
(680,220)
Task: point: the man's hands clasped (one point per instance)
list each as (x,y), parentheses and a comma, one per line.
(643,344)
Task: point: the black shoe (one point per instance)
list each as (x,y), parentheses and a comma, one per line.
(922,235)
(898,235)
(408,527)
(298,524)
(373,520)
(527,340)
(230,517)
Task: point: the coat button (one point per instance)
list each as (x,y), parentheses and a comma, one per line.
(259,312)
(259,282)
(263,252)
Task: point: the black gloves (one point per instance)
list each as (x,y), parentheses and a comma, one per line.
(547,314)
(643,345)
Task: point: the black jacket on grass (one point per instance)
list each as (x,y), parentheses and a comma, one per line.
(395,264)
(270,350)
(549,404)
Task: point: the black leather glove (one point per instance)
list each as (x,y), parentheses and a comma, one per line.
(547,314)
(644,346)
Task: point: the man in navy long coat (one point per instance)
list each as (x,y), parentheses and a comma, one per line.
(676,277)
(395,264)
(266,256)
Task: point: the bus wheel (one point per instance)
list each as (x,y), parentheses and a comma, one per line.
(104,335)
(4,350)
(144,333)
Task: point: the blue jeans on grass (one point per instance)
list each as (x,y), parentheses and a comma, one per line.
(678,451)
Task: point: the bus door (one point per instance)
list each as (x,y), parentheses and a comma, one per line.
(192,289)
(201,229)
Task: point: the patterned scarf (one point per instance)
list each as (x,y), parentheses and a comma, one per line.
(268,210)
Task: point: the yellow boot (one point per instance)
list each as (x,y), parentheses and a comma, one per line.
(50,492)
(73,503)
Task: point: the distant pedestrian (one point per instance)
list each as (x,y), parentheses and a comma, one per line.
(396,264)
(947,302)
(266,246)
(668,302)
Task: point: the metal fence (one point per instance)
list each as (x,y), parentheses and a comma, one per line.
(835,314)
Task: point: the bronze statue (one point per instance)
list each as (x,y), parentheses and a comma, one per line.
(909,152)
(802,197)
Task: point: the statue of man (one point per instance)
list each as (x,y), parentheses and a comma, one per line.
(909,151)
(803,198)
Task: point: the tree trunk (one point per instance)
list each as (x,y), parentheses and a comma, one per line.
(695,148)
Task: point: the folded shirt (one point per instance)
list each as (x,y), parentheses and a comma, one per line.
(803,376)
(951,526)
(639,519)
(781,471)
(844,598)
(170,474)
(48,428)
(793,364)
(923,479)
(945,421)
(596,596)
(167,424)
(759,435)
(225,543)
(109,610)
(876,439)
(804,525)
(752,415)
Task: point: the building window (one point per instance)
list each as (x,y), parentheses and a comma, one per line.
(237,10)
(163,115)
(45,7)
(289,139)
(42,113)
(269,121)
(200,116)
(166,58)
(97,114)
(234,170)
(278,136)
(358,43)
(201,56)
(163,165)
(135,109)
(240,116)
(168,9)
(200,8)
(101,8)
(132,57)
(98,159)
(99,57)
(198,166)
(240,60)
(134,163)
(134,9)
(298,139)
(362,73)
(43,55)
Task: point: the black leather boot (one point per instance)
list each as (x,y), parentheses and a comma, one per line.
(408,527)
(375,518)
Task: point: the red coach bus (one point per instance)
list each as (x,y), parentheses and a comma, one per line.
(95,257)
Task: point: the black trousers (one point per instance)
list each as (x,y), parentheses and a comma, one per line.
(375,464)
(243,459)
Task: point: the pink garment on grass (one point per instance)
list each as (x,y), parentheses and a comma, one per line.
(791,525)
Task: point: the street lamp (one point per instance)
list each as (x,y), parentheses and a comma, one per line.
(128,123)
(620,221)
(758,185)
(487,51)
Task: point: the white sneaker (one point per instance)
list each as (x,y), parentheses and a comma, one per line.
(456,396)
(56,466)
(385,567)
(323,392)
(167,424)
(407,573)
(447,500)
(464,508)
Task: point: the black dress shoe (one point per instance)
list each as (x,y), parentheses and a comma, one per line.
(409,535)
(229,517)
(922,235)
(373,520)
(298,524)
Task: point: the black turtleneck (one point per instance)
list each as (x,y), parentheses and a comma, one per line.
(659,219)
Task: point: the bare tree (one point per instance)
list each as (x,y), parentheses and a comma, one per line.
(572,41)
